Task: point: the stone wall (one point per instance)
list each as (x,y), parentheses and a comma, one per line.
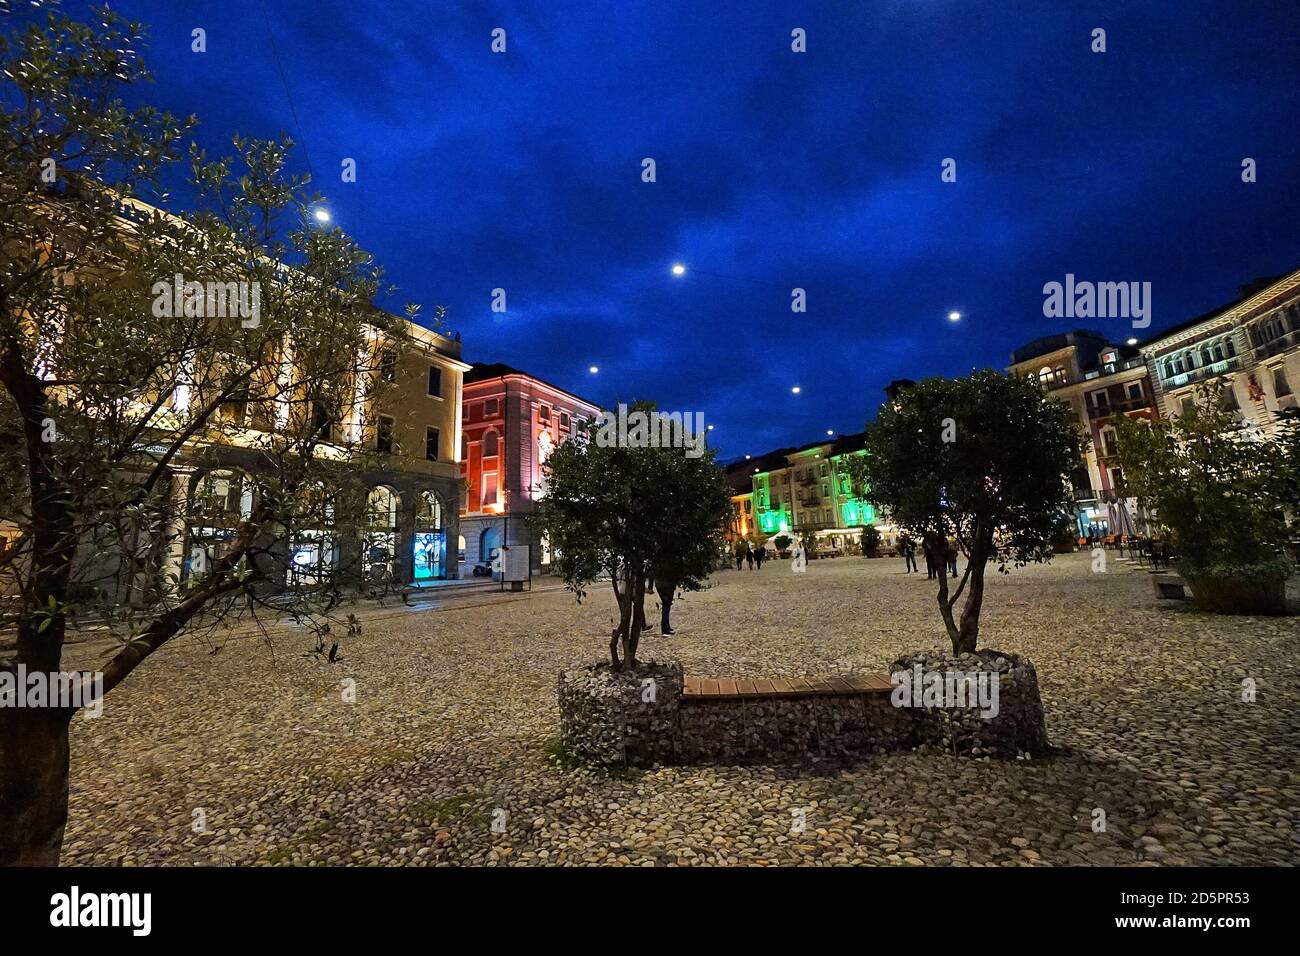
(642,719)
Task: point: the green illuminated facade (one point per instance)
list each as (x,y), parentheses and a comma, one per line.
(807,490)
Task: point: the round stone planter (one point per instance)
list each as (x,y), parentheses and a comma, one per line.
(981,704)
(1224,595)
(623,719)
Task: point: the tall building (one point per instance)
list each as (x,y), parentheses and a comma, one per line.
(740,523)
(807,492)
(209,485)
(510,421)
(1100,381)
(1252,343)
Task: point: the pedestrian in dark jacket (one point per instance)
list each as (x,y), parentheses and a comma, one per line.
(749,559)
(909,555)
(740,558)
(760,555)
(665,587)
(931,560)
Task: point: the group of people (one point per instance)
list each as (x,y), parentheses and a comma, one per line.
(753,556)
(940,555)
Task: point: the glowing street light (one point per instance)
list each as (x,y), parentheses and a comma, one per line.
(954,316)
(710,428)
(1132,341)
(679,269)
(830,431)
(594,369)
(322,215)
(747,457)
(795,390)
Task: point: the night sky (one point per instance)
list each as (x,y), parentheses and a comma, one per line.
(775,170)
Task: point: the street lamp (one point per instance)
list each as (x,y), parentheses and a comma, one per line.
(679,269)
(954,316)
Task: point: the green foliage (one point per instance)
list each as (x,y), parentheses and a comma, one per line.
(783,542)
(108,389)
(1004,470)
(983,459)
(632,513)
(1222,490)
(870,540)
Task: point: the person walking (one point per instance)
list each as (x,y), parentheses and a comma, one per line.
(749,559)
(931,561)
(665,587)
(909,556)
(740,556)
(760,555)
(952,556)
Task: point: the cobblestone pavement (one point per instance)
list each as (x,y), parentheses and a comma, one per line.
(452,737)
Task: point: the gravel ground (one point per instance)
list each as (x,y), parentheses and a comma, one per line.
(451,738)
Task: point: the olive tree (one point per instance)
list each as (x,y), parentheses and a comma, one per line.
(634,514)
(983,459)
(137,349)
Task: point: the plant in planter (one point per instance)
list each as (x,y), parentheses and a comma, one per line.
(783,542)
(1222,490)
(870,541)
(983,459)
(632,513)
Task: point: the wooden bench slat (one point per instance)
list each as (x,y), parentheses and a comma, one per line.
(879,682)
(723,687)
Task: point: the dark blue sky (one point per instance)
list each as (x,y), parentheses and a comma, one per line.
(775,170)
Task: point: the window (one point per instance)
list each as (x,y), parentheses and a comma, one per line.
(464,412)
(1280,385)
(1108,441)
(564,419)
(435,381)
(490,445)
(464,447)
(388,367)
(543,413)
(384,435)
(489,489)
(1101,401)
(431,443)
(749,506)
(825,490)
(1135,390)
(490,407)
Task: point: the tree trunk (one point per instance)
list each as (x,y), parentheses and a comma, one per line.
(968,633)
(33,785)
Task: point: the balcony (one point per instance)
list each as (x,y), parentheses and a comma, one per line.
(1204,372)
(1100,413)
